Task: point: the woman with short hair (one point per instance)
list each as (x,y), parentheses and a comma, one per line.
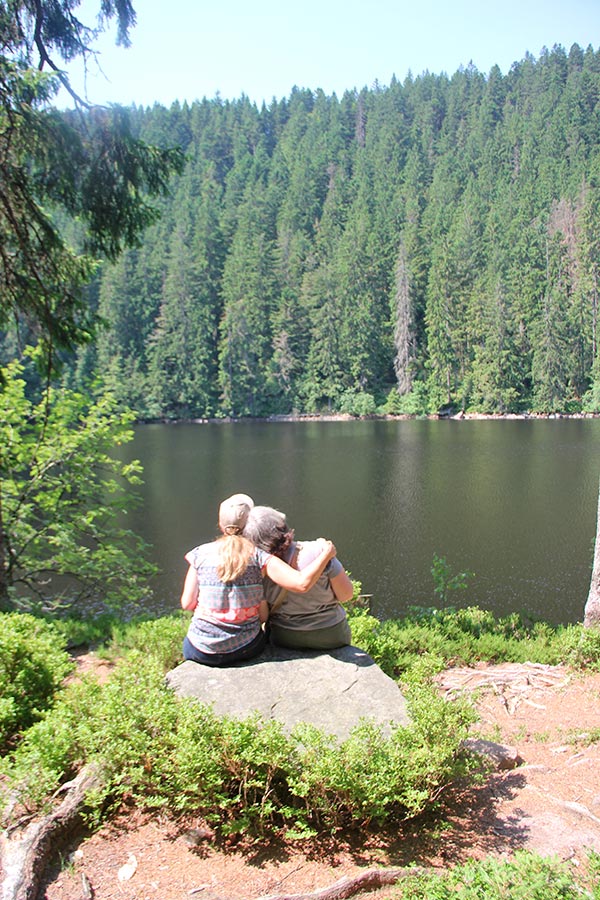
(315,619)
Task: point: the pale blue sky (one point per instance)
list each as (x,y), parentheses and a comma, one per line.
(186,50)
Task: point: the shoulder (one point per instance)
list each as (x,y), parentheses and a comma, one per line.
(201,553)
(261,557)
(307,551)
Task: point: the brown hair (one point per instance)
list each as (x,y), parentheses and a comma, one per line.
(267,528)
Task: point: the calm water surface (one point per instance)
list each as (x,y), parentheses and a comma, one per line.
(513,501)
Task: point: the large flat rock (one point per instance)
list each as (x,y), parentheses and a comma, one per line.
(332,690)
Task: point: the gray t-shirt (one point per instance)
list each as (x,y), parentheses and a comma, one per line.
(318,607)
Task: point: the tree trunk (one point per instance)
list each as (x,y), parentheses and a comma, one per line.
(4,598)
(25,853)
(592,607)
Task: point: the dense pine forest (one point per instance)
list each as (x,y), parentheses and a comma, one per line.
(432,244)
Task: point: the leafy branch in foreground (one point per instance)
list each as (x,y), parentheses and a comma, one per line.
(33,663)
(62,500)
(88,164)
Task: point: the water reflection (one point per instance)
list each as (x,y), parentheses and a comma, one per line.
(513,501)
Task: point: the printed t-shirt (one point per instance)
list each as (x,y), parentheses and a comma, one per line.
(226,617)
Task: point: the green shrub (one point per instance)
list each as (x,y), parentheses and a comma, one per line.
(524,875)
(33,663)
(357,403)
(160,638)
(459,637)
(161,751)
(582,648)
(86,632)
(371,777)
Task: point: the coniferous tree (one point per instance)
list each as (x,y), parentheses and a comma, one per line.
(404,325)
(439,233)
(245,344)
(88,164)
(183,351)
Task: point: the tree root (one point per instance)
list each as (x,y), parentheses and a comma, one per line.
(25,851)
(347,887)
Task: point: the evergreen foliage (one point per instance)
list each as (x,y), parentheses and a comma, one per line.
(87,165)
(437,238)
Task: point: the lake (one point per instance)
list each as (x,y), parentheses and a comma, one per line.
(513,501)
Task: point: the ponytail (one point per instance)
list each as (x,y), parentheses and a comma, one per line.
(234,555)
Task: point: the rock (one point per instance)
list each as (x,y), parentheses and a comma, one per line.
(501,756)
(332,690)
(194,837)
(127,871)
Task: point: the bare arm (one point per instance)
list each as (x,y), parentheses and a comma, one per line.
(189,597)
(263,611)
(342,587)
(300,581)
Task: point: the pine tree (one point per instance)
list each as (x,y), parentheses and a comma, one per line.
(183,346)
(87,164)
(404,325)
(245,343)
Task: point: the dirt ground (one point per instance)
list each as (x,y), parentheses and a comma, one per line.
(549,803)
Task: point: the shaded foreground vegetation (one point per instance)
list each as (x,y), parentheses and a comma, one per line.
(158,751)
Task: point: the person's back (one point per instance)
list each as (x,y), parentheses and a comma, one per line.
(227,613)
(315,619)
(224,589)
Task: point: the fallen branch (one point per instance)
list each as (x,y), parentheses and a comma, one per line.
(25,852)
(366,881)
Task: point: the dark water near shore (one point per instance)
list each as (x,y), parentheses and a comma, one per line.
(513,501)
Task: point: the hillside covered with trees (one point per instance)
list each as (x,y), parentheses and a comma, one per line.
(434,242)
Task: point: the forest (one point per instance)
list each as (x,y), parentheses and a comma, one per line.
(429,245)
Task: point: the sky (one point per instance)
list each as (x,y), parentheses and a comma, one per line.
(189,49)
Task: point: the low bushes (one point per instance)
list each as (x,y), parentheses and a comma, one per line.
(524,875)
(33,663)
(160,751)
(462,636)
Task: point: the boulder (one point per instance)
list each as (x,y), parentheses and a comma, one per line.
(499,756)
(332,690)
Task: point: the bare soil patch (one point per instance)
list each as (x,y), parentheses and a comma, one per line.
(550,803)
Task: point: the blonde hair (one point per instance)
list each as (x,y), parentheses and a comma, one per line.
(234,555)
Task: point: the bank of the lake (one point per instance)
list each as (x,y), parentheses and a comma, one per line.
(511,499)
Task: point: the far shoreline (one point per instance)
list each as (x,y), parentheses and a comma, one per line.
(346,417)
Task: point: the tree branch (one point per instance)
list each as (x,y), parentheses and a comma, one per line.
(25,853)
(366,881)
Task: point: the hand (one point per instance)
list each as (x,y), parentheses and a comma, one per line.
(328,546)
